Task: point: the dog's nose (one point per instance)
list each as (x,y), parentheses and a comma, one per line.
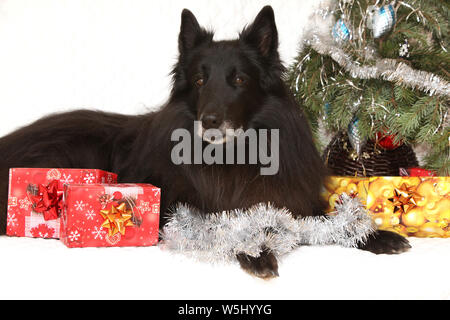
(211,121)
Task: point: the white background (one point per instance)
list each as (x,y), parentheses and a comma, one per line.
(57,55)
(116,56)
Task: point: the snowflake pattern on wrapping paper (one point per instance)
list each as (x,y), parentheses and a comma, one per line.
(53,174)
(157,192)
(89,178)
(66,179)
(12,201)
(74,236)
(25,203)
(79,205)
(42,231)
(11,220)
(90,214)
(98,233)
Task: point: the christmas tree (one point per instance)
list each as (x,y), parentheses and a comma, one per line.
(378,71)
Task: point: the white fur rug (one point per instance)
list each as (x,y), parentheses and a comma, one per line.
(112,55)
(42,269)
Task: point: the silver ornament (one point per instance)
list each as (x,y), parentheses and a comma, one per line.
(354,136)
(371,10)
(381,20)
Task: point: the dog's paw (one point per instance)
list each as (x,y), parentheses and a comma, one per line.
(385,242)
(265,266)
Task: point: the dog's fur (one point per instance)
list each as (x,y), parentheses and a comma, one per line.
(240,82)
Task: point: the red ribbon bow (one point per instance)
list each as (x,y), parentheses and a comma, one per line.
(47,201)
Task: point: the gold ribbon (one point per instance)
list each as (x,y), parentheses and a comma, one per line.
(117,219)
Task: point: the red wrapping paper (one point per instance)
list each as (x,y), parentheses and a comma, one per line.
(26,216)
(417,172)
(84,221)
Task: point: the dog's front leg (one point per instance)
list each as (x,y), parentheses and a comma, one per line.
(265,266)
(386,242)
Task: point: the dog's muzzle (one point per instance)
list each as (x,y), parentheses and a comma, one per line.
(219,135)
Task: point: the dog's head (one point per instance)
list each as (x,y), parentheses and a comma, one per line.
(225,82)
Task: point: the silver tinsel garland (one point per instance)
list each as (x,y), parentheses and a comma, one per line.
(387,69)
(219,237)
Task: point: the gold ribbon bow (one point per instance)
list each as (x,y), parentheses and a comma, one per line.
(405,198)
(117,219)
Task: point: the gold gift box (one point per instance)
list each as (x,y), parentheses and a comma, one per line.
(410,206)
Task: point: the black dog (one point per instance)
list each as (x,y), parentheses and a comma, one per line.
(238,83)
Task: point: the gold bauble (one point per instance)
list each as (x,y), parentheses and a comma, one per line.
(443,207)
(412,230)
(332,201)
(428,192)
(394,220)
(381,187)
(444,223)
(351,188)
(432,228)
(325,194)
(413,218)
(332,183)
(439,210)
(410,181)
(400,229)
(431,211)
(381,220)
(344,182)
(443,187)
(396,181)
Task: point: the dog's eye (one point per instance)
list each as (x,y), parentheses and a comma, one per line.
(200,82)
(239,80)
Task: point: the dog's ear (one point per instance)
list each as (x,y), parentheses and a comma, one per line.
(191,34)
(262,34)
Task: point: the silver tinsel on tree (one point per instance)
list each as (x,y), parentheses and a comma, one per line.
(219,237)
(386,69)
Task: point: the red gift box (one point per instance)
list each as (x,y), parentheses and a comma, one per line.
(116,215)
(34,198)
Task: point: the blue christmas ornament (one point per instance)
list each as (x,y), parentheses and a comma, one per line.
(327,108)
(340,31)
(382,20)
